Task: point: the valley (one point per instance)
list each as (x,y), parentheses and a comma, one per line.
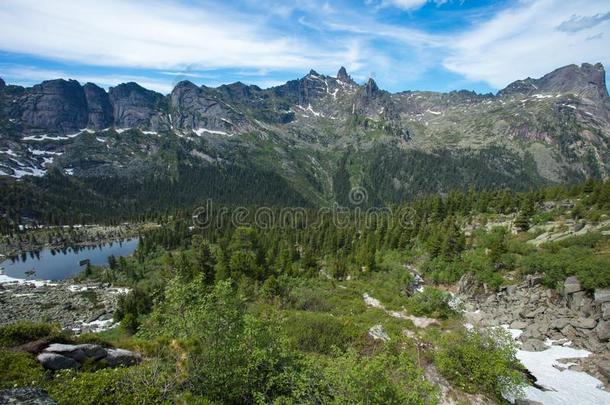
(420,307)
(306,143)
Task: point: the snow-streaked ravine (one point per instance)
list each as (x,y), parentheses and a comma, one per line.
(563,386)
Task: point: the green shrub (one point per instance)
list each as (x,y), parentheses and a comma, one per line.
(25,331)
(230,355)
(442,271)
(591,270)
(135,385)
(93,338)
(382,379)
(308,299)
(495,242)
(319,333)
(588,240)
(431,302)
(481,362)
(19,369)
(481,265)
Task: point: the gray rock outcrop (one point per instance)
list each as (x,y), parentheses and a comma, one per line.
(57,356)
(54,361)
(574,315)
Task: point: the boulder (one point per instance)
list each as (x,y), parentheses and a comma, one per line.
(535,313)
(583,323)
(602,295)
(606,311)
(571,285)
(96,316)
(603,331)
(522,401)
(535,280)
(94,352)
(575,300)
(534,345)
(518,325)
(71,351)
(604,368)
(569,332)
(560,323)
(532,331)
(122,357)
(54,361)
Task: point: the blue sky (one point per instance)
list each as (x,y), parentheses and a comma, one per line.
(439,45)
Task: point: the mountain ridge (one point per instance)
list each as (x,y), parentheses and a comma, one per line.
(321,134)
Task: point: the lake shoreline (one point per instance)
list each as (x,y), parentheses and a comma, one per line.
(60,238)
(53,265)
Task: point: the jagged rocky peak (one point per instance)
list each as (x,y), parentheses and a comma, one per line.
(342,75)
(185,84)
(313,73)
(585,80)
(2,84)
(371,89)
(238,91)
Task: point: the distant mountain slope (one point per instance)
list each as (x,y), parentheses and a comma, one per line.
(320,134)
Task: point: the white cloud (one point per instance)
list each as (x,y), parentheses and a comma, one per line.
(523,41)
(405,4)
(175,40)
(409,4)
(150,34)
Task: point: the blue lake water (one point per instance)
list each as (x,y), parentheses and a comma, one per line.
(61,264)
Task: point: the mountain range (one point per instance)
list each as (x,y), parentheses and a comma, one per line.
(315,137)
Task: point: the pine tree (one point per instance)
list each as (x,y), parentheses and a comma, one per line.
(204,260)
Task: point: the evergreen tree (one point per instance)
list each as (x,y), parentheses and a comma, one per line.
(204,260)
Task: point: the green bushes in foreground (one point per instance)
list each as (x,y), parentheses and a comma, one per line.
(481,362)
(24,331)
(383,379)
(151,383)
(19,369)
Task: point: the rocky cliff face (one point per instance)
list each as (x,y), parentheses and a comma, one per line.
(55,105)
(586,80)
(136,107)
(98,107)
(200,109)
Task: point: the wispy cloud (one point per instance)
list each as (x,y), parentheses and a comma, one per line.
(523,41)
(405,4)
(579,23)
(149,34)
(400,42)
(408,4)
